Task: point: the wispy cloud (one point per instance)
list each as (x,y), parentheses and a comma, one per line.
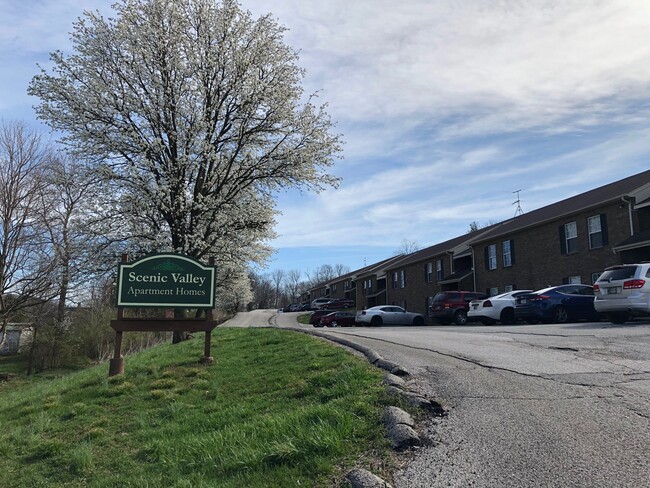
(498,66)
(446,107)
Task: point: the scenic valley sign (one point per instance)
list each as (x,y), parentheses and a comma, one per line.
(168,281)
(165,281)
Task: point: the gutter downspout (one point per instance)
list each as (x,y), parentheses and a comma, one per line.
(629,212)
(473,268)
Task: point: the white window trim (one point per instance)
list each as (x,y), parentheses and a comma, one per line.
(595,218)
(508,254)
(568,238)
(492,258)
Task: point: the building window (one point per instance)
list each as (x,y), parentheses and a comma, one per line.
(402,279)
(569,238)
(367,287)
(573,280)
(491,256)
(493,291)
(333,288)
(594,277)
(439,270)
(428,272)
(508,253)
(394,280)
(597,226)
(508,288)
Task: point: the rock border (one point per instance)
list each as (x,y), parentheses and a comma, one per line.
(399,423)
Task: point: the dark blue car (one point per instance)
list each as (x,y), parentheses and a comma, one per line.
(560,304)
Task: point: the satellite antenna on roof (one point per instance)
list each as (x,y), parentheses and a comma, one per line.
(519,211)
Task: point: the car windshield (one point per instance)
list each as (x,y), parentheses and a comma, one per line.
(622,273)
(441,297)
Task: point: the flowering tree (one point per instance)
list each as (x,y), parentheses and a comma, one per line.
(196,110)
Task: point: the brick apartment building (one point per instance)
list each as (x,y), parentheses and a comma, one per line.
(569,241)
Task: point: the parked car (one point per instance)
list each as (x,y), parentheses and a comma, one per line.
(497,308)
(315,316)
(315,304)
(559,304)
(623,291)
(293,307)
(453,305)
(338,303)
(305,306)
(388,315)
(338,319)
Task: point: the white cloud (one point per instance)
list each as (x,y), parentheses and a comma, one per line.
(446,107)
(498,66)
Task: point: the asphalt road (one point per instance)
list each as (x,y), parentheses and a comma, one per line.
(529,406)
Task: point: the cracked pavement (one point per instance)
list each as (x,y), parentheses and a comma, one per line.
(550,405)
(529,406)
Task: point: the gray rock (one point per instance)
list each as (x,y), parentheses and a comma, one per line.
(393,380)
(403,436)
(418,401)
(390,367)
(399,371)
(394,415)
(360,478)
(372,356)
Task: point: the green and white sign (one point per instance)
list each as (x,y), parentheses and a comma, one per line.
(165,280)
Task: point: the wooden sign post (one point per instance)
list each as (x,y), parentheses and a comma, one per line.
(163,281)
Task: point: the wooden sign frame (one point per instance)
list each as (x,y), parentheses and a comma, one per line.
(121,325)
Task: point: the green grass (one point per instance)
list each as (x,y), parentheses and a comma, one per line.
(277,409)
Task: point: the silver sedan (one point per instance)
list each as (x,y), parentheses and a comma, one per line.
(389,315)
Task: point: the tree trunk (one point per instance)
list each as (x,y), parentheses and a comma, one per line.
(179,336)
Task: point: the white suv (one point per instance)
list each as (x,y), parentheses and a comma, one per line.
(623,291)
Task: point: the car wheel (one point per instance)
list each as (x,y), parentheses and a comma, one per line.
(618,317)
(460,317)
(560,315)
(418,321)
(507,316)
(334,324)
(376,321)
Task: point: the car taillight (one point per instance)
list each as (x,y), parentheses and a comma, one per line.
(539,298)
(487,303)
(633,284)
(596,289)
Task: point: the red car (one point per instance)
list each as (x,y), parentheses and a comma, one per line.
(453,305)
(316,315)
(337,319)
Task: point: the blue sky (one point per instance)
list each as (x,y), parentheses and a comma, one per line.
(446,108)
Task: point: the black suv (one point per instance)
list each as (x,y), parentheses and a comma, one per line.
(453,305)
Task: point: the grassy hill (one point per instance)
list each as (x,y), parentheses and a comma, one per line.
(277,409)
